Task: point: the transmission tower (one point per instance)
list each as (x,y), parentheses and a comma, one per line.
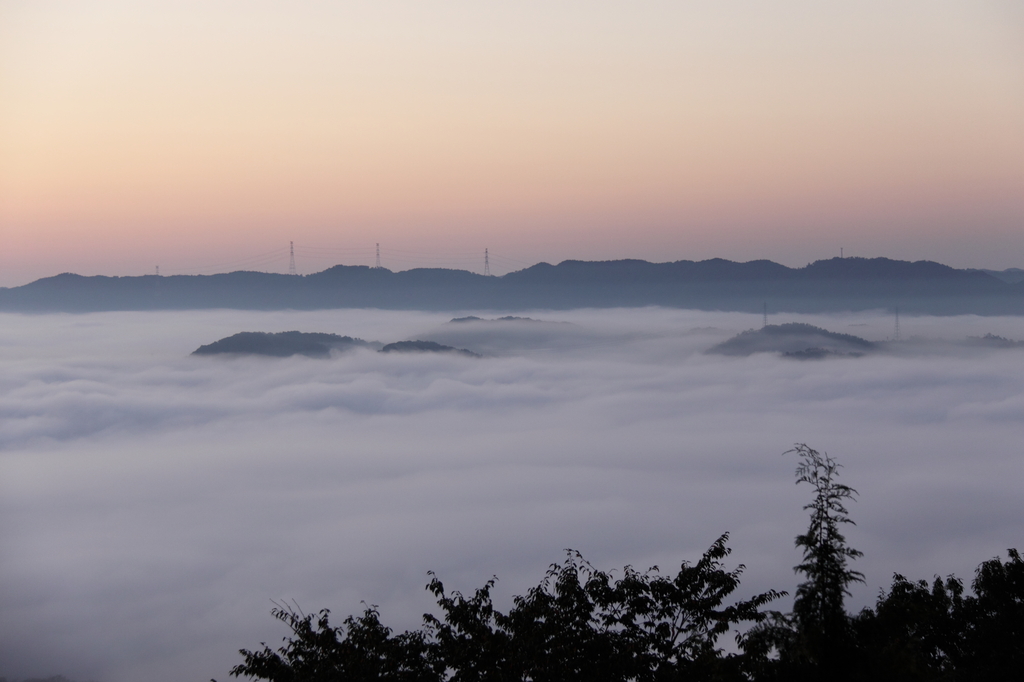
(487,264)
(896,334)
(378,256)
(158,271)
(291,258)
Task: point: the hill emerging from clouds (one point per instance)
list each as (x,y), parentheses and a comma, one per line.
(795,340)
(282,344)
(314,345)
(823,286)
(426,347)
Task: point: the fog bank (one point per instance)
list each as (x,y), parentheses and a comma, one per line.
(152,503)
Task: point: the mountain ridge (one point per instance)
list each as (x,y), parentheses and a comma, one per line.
(713,284)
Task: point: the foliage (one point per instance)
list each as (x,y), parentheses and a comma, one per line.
(360,649)
(994,620)
(578,623)
(814,641)
(819,599)
(822,623)
(915,631)
(939,633)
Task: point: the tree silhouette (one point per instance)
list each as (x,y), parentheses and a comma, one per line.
(994,630)
(360,649)
(938,633)
(579,623)
(915,632)
(815,641)
(822,624)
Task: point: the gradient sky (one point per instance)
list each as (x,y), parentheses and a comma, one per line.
(204,136)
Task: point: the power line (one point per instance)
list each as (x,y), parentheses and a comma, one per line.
(430,253)
(278,259)
(257,259)
(329,251)
(512,260)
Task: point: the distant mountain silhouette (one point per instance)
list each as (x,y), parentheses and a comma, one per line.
(993,341)
(425,347)
(1009,275)
(281,344)
(506,318)
(829,285)
(796,340)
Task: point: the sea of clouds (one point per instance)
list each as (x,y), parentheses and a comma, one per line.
(152,503)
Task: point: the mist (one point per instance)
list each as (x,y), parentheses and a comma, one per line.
(152,504)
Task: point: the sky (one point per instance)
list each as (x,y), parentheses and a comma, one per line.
(152,504)
(205,136)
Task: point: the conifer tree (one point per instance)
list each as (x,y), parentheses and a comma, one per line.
(822,624)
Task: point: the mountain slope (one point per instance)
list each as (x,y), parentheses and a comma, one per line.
(716,284)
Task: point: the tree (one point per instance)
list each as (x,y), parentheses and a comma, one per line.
(995,620)
(915,633)
(579,623)
(360,649)
(937,634)
(823,627)
(815,640)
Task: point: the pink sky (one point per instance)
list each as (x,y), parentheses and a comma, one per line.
(205,136)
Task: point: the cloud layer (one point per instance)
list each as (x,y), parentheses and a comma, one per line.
(152,503)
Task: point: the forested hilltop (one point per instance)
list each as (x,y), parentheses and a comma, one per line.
(828,285)
(582,624)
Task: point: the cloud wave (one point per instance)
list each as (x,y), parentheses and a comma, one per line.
(152,503)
